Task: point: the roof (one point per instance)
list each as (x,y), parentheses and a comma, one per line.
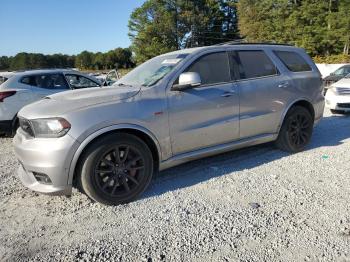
(229,44)
(44,71)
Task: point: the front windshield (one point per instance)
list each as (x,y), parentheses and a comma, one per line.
(150,72)
(339,71)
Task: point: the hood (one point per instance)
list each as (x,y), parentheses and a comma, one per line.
(68,101)
(343,83)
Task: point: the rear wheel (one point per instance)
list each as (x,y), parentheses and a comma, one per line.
(116,169)
(296,130)
(339,112)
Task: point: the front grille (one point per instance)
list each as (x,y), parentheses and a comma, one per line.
(343,105)
(343,91)
(26,126)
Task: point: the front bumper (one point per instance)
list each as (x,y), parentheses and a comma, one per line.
(49,156)
(338,102)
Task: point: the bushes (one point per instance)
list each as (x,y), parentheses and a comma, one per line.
(332,59)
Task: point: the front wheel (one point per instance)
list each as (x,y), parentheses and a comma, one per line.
(116,169)
(296,130)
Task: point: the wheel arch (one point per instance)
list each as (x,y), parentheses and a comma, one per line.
(140,132)
(301,102)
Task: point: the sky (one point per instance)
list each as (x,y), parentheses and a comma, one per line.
(64,26)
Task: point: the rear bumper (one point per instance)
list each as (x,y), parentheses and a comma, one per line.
(6,126)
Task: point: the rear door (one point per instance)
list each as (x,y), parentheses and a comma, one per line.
(263,92)
(207,115)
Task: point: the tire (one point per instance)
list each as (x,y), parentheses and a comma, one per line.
(296,130)
(15,126)
(337,112)
(110,180)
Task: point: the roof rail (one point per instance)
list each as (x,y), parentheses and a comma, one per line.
(52,68)
(243,42)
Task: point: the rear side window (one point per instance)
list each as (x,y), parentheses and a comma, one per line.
(49,81)
(212,68)
(253,64)
(293,61)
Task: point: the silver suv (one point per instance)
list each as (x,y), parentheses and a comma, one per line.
(174,108)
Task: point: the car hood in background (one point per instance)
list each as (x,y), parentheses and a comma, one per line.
(342,83)
(63,102)
(333,78)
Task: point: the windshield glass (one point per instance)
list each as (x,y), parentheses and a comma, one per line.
(150,72)
(339,71)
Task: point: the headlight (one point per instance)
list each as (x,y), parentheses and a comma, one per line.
(49,127)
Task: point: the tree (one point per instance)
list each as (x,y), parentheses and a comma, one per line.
(160,26)
(84,60)
(319,26)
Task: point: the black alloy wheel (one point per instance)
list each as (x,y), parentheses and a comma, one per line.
(116,169)
(296,130)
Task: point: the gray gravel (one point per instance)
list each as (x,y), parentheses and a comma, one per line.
(255,204)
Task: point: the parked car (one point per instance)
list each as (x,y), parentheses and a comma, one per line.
(112,77)
(109,78)
(338,96)
(26,87)
(336,76)
(172,109)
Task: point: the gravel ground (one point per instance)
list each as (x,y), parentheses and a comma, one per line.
(255,204)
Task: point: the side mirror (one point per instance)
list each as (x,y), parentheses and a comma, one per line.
(187,80)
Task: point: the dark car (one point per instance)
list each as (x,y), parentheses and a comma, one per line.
(336,76)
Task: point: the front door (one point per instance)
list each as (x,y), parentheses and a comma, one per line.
(207,115)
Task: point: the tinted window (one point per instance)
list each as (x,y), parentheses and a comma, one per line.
(48,81)
(78,81)
(212,68)
(293,61)
(252,64)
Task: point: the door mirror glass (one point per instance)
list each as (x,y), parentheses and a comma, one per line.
(187,80)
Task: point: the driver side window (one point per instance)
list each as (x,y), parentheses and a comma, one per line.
(213,68)
(78,81)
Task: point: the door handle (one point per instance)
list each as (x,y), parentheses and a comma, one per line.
(228,94)
(284,85)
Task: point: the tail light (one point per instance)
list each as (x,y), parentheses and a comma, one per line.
(6,94)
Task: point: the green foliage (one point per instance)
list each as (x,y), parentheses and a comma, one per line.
(160,26)
(332,59)
(117,58)
(120,57)
(322,27)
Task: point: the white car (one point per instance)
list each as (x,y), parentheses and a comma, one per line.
(23,88)
(338,96)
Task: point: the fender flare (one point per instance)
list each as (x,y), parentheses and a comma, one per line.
(288,108)
(87,140)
